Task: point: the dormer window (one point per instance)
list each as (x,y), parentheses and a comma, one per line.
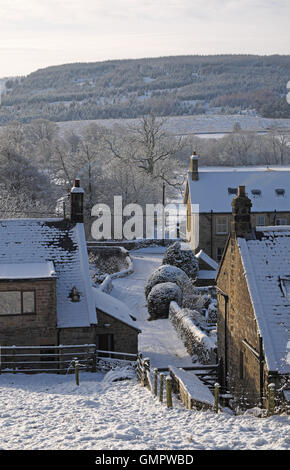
(232,191)
(280,192)
(256,192)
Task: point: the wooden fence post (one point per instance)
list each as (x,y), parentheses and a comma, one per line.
(94,359)
(14,358)
(271,399)
(216,397)
(161,384)
(169,392)
(155,382)
(140,368)
(146,371)
(76,362)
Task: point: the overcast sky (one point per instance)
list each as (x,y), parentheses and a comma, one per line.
(39,33)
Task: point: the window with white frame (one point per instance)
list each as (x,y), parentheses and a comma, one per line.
(260,220)
(17,302)
(222,224)
(281,221)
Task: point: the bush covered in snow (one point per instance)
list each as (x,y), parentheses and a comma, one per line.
(180,255)
(166,273)
(159,299)
(120,373)
(193,298)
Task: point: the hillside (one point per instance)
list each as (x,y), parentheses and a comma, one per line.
(168,86)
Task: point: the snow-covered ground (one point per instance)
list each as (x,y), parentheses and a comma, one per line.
(47,411)
(51,412)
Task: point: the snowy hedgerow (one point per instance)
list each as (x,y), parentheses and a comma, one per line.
(198,343)
(181,256)
(159,299)
(166,273)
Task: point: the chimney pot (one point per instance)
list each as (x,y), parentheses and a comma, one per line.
(242,191)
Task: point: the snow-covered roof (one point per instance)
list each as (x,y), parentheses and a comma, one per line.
(268,188)
(35,245)
(207,259)
(113,307)
(27,270)
(266,261)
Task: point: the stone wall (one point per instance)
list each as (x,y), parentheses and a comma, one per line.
(243,366)
(125,338)
(28,329)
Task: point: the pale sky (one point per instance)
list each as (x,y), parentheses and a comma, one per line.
(38,33)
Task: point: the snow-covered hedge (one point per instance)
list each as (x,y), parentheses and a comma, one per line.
(180,255)
(114,267)
(159,299)
(198,344)
(166,273)
(193,298)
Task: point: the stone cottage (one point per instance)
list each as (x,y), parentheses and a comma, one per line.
(46,292)
(253,284)
(213,188)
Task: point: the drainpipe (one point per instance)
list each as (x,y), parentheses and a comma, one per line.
(261,365)
(211,233)
(226,298)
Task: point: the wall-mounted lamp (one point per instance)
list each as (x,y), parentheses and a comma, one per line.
(74,295)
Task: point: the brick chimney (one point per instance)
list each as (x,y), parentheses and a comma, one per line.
(241,208)
(77,203)
(194,166)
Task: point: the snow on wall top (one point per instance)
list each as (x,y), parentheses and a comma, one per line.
(214,190)
(267,262)
(193,385)
(113,307)
(56,241)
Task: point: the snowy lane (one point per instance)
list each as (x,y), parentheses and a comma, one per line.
(158,339)
(47,411)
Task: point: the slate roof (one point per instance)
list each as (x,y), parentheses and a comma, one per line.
(266,261)
(32,242)
(216,186)
(114,307)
